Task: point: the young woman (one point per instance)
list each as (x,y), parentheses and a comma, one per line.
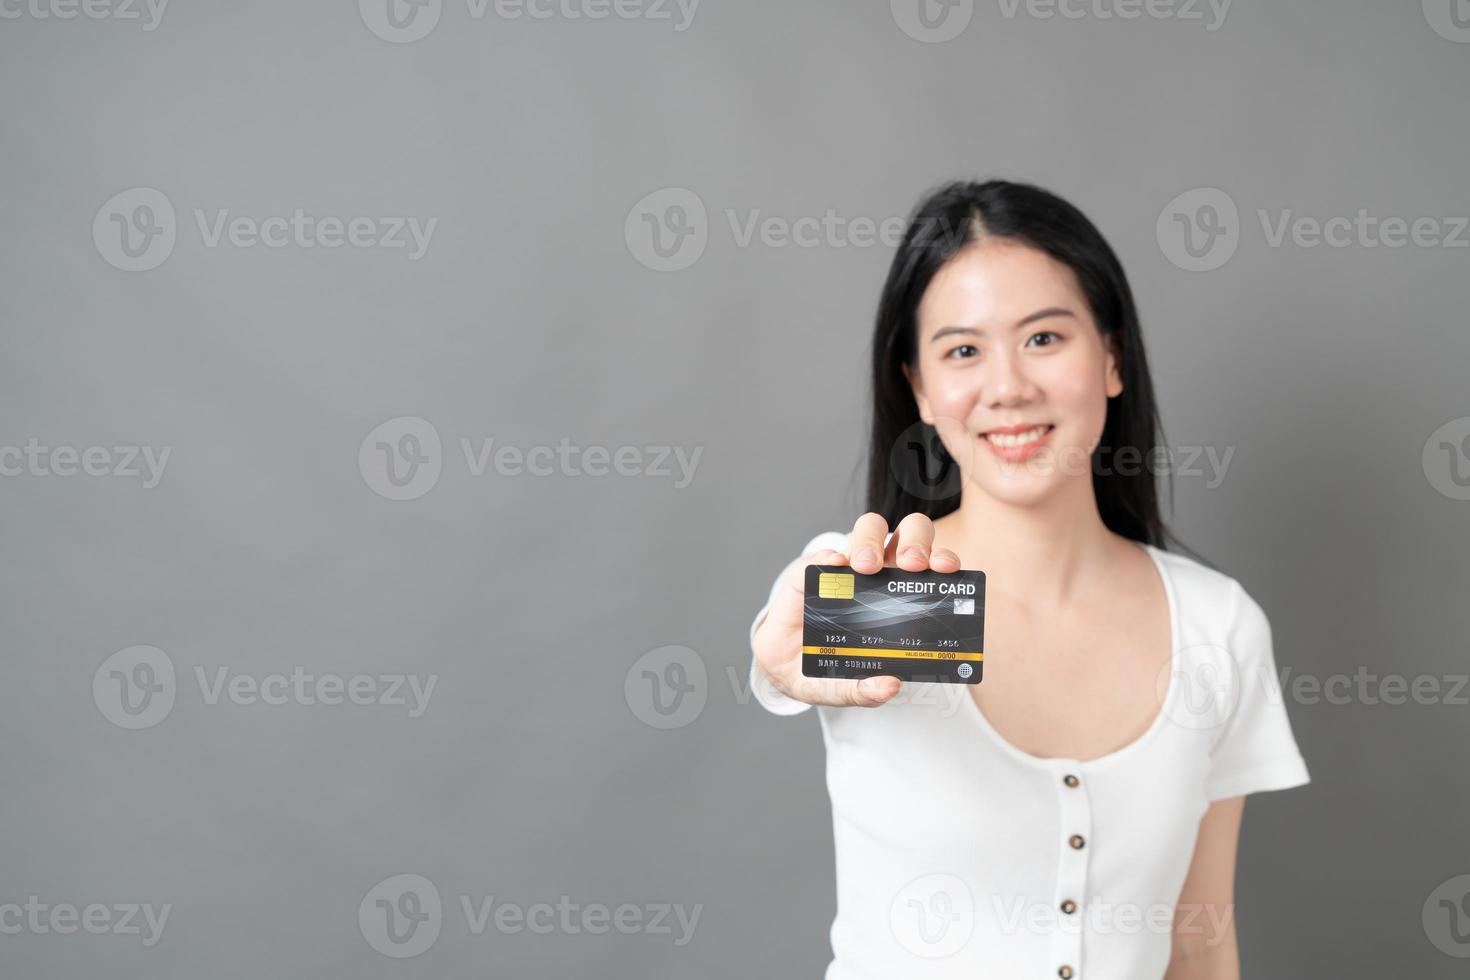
(1076,814)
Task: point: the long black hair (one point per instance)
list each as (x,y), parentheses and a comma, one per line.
(909,469)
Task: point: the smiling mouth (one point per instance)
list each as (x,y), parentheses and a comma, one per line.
(1008,440)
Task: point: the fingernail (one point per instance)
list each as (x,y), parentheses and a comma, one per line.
(866,555)
(914,552)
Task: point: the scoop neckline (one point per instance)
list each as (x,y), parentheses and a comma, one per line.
(1160,719)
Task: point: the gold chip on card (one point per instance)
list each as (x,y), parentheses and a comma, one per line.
(834,585)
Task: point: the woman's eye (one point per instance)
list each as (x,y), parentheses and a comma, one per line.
(963,351)
(1047,333)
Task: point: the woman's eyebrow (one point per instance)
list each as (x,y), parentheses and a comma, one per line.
(1050,311)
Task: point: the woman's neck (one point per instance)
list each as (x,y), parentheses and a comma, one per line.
(1043,552)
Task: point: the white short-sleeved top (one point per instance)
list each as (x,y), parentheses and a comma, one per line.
(960,855)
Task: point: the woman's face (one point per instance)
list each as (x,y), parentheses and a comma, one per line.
(1012,370)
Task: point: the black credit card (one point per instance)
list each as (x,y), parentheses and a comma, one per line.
(916,626)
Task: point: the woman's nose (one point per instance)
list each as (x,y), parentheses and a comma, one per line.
(1005,382)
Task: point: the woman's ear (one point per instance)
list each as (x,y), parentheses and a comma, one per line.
(1115,366)
(918,389)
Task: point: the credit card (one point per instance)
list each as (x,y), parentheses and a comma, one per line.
(916,626)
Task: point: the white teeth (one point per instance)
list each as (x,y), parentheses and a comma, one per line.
(1020,439)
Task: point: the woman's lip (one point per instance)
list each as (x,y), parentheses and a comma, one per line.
(1021,453)
(1013,430)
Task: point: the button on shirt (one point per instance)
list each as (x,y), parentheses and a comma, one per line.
(960,855)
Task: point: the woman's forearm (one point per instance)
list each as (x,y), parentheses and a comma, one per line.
(1209,954)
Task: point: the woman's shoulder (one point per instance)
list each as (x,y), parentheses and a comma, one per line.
(1206,593)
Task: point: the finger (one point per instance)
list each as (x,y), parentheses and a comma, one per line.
(870,692)
(944,560)
(866,546)
(910,544)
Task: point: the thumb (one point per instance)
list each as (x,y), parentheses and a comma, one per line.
(877,690)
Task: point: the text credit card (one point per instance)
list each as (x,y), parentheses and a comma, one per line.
(916,626)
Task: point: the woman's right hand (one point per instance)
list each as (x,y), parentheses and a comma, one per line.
(777,641)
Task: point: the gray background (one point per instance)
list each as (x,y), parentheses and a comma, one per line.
(533,774)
